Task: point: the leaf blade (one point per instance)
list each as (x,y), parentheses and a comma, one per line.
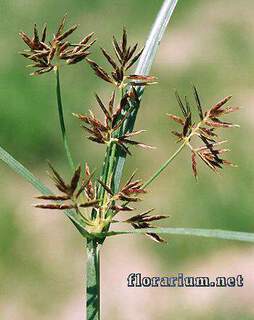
(143,68)
(207,233)
(28,176)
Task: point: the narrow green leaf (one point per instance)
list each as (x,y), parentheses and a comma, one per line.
(155,36)
(27,175)
(143,68)
(207,233)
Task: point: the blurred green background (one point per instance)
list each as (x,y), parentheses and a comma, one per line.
(208,43)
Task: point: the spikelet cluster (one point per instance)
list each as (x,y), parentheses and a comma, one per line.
(46,55)
(205,130)
(80,195)
(107,131)
(124,58)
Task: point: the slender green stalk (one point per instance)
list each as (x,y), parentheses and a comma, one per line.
(143,68)
(61,119)
(103,172)
(111,164)
(93,280)
(164,166)
(107,173)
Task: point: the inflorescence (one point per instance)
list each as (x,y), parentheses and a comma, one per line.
(45,56)
(80,194)
(97,209)
(125,58)
(205,130)
(108,131)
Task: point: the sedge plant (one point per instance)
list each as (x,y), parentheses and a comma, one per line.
(93,200)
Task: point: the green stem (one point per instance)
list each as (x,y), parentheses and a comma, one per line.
(111,164)
(93,280)
(143,68)
(108,170)
(163,167)
(103,173)
(61,119)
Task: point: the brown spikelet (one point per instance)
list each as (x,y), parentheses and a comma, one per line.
(89,187)
(54,198)
(198,103)
(54,206)
(220,103)
(85,183)
(99,71)
(145,217)
(142,78)
(109,58)
(216,123)
(86,39)
(75,179)
(194,164)
(118,208)
(88,204)
(153,236)
(103,108)
(44,33)
(67,33)
(176,118)
(61,26)
(60,184)
(105,187)
(134,60)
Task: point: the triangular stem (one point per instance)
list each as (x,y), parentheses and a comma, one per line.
(93,280)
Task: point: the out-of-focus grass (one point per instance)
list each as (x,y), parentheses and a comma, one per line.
(207,44)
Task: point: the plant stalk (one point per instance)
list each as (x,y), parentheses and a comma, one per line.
(61,119)
(93,280)
(186,142)
(111,165)
(115,157)
(143,68)
(164,166)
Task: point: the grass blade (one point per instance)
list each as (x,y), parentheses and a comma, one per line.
(207,233)
(27,175)
(143,68)
(155,36)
